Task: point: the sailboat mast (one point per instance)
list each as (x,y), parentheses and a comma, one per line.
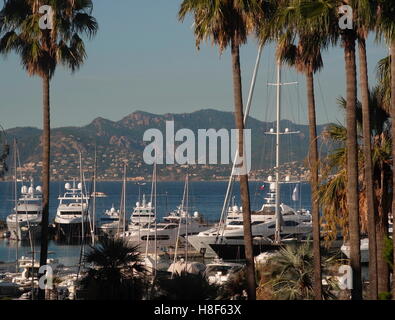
(82,208)
(186,218)
(94,198)
(16,207)
(156,229)
(124,197)
(278,134)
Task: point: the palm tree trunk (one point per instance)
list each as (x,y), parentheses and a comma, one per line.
(392,114)
(352,165)
(45,173)
(313,159)
(244,188)
(367,152)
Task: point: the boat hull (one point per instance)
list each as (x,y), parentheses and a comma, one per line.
(71,232)
(24,229)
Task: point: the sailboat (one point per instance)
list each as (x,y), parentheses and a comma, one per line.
(273,224)
(112,220)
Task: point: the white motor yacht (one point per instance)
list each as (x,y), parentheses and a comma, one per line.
(73,216)
(143,213)
(25,222)
(110,221)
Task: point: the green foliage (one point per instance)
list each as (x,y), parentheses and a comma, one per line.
(117,271)
(41,51)
(389,252)
(186,286)
(235,286)
(385,296)
(291,272)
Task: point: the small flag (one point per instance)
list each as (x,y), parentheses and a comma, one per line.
(295,193)
(262,187)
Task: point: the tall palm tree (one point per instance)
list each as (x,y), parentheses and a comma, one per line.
(306,57)
(386,27)
(40,52)
(226,23)
(364,18)
(326,10)
(333,189)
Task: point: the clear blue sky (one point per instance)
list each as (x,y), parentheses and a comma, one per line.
(144,59)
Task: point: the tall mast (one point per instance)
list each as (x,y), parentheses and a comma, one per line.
(156,229)
(186,218)
(124,196)
(94,199)
(246,114)
(82,208)
(277,236)
(16,207)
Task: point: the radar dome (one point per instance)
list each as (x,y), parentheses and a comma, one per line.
(31,190)
(287,178)
(67,186)
(39,189)
(80,186)
(24,189)
(270,179)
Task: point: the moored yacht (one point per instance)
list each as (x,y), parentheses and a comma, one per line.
(26,219)
(72,216)
(110,221)
(143,213)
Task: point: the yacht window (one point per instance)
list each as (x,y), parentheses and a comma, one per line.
(272,226)
(235,223)
(291,223)
(27,212)
(152,237)
(171,226)
(66,213)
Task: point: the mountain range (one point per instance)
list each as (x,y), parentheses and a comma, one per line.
(116,141)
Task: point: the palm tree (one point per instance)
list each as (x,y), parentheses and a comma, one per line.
(386,27)
(326,10)
(117,271)
(40,52)
(291,271)
(306,57)
(333,190)
(226,23)
(365,20)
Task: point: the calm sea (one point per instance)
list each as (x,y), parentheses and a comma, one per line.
(205,197)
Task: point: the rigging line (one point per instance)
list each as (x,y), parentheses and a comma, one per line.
(28,228)
(246,113)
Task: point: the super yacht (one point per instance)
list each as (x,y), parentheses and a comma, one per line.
(25,222)
(72,219)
